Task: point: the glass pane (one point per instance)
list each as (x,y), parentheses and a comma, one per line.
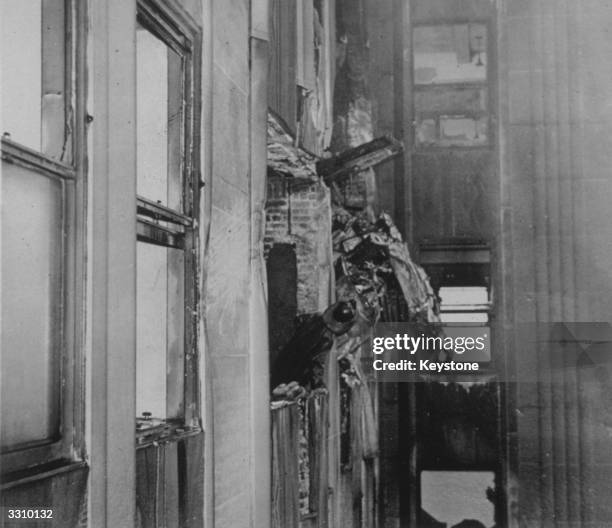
(452,131)
(451,99)
(159,115)
(464,317)
(450,53)
(21,70)
(449,116)
(31,305)
(463,296)
(427,131)
(451,497)
(463,131)
(160,330)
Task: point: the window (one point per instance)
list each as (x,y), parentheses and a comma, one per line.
(167,205)
(449,498)
(36,109)
(461,277)
(282,88)
(42,217)
(450,81)
(464,304)
(294,57)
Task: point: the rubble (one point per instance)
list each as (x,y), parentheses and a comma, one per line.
(371,254)
(301,360)
(371,264)
(284,157)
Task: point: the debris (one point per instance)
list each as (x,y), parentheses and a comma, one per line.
(357,159)
(301,359)
(288,391)
(372,255)
(284,157)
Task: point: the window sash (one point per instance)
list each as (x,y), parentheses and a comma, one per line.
(473,57)
(483,129)
(167,226)
(67,165)
(57,97)
(155,211)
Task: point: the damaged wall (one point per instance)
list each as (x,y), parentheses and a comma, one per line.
(300,214)
(353,107)
(301,67)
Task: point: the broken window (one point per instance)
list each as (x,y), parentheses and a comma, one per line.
(283,67)
(42,211)
(305,55)
(450,83)
(167,225)
(450,53)
(461,278)
(449,498)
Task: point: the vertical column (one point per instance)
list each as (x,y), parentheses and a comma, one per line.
(555,122)
(259,348)
(113,264)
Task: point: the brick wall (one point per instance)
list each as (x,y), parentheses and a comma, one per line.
(299,213)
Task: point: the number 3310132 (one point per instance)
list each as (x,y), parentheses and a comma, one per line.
(27,513)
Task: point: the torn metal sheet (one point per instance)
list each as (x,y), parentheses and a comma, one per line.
(370,254)
(284,157)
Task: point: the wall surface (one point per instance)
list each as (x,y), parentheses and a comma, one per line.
(556,123)
(233,273)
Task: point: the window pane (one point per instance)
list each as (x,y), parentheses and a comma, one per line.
(451,115)
(452,131)
(450,53)
(463,131)
(160,330)
(453,496)
(21,70)
(463,295)
(427,131)
(451,99)
(464,317)
(31,305)
(160,120)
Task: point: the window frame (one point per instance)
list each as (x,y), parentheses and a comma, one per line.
(174,27)
(465,264)
(467,308)
(424,88)
(67,446)
(478,468)
(56,68)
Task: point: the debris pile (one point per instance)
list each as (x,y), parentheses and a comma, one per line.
(301,360)
(371,262)
(284,157)
(373,257)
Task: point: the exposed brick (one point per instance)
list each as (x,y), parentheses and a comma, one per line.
(302,217)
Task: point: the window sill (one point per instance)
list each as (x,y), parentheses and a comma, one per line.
(36,473)
(166,432)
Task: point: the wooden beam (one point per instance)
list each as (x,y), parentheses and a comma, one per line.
(359,158)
